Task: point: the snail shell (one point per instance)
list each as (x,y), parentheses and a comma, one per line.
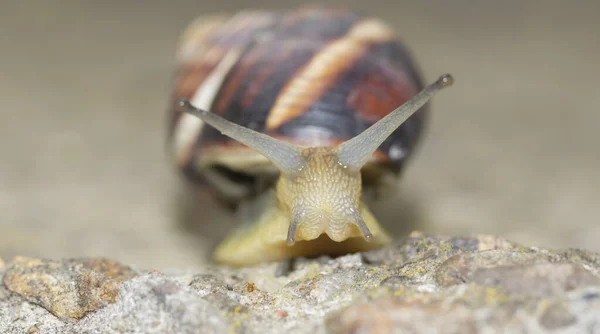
(283,116)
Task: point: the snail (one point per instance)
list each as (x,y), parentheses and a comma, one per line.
(290,119)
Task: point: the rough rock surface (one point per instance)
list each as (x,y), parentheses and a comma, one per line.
(68,289)
(438,284)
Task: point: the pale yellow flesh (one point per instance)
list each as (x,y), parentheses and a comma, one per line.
(264,240)
(314,210)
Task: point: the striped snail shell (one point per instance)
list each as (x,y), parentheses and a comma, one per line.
(294,116)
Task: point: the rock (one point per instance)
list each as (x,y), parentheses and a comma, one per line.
(557,315)
(543,280)
(475,284)
(516,272)
(68,289)
(395,315)
(156,303)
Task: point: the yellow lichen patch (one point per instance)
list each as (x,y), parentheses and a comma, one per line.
(313,271)
(445,246)
(493,296)
(238,315)
(413,269)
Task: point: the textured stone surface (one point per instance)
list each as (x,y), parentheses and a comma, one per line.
(68,289)
(478,284)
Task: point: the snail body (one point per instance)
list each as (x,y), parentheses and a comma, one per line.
(290,119)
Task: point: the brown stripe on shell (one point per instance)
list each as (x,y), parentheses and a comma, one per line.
(189,126)
(276,53)
(196,57)
(243,30)
(238,75)
(224,31)
(380,91)
(192,76)
(206,41)
(255,89)
(389,77)
(188,79)
(323,69)
(294,26)
(317,23)
(204,45)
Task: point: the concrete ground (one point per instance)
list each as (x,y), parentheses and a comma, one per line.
(512,148)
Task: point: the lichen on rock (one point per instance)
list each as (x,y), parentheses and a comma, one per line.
(473,284)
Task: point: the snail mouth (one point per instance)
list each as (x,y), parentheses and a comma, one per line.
(335,232)
(266,239)
(254,249)
(324,245)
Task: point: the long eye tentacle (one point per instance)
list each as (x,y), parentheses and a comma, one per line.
(356,152)
(286,157)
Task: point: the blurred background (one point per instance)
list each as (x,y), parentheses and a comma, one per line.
(512,147)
